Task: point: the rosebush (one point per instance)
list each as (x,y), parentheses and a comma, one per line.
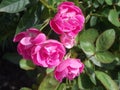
(67,44)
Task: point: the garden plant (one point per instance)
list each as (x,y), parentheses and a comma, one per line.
(63,44)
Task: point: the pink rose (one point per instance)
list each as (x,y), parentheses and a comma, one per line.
(69,19)
(49,54)
(27,40)
(67,41)
(69,68)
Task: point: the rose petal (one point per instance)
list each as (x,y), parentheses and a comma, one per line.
(19,36)
(26,41)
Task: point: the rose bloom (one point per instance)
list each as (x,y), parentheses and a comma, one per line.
(27,40)
(69,68)
(67,41)
(69,19)
(48,54)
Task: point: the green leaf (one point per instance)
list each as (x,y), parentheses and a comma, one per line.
(105,57)
(118,3)
(89,35)
(101,1)
(29,19)
(109,2)
(113,17)
(106,80)
(62,86)
(84,83)
(88,48)
(105,40)
(87,18)
(89,65)
(90,71)
(96,4)
(93,21)
(75,85)
(49,83)
(13,6)
(98,88)
(95,61)
(49,70)
(26,64)
(87,40)
(25,88)
(119,78)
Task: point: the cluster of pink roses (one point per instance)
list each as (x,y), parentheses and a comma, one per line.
(34,45)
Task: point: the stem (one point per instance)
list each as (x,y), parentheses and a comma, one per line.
(45,23)
(91,56)
(94,14)
(49,33)
(46,5)
(70,83)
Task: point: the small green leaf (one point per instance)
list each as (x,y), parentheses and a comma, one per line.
(87,18)
(113,17)
(25,88)
(89,35)
(62,86)
(74,86)
(105,40)
(90,71)
(95,61)
(96,4)
(119,78)
(89,64)
(105,57)
(109,2)
(29,19)
(87,40)
(93,21)
(101,1)
(98,88)
(49,70)
(49,83)
(118,3)
(88,48)
(106,80)
(13,6)
(26,64)
(84,82)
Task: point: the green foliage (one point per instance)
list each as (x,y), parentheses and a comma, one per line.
(49,82)
(13,6)
(113,17)
(26,64)
(98,45)
(109,2)
(105,40)
(25,88)
(106,80)
(87,39)
(105,57)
